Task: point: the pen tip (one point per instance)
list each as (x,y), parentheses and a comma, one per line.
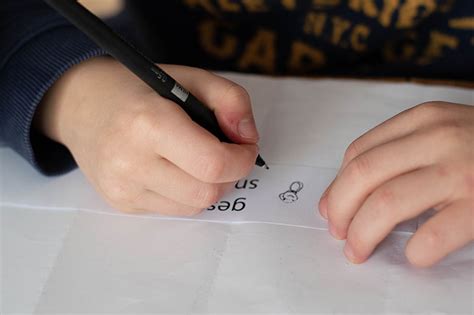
(260,162)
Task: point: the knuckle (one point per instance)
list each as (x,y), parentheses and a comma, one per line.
(210,167)
(383,202)
(142,122)
(236,92)
(358,167)
(352,151)
(429,109)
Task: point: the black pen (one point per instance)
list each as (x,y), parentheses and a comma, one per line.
(140,65)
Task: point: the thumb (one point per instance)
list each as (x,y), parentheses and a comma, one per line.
(229,101)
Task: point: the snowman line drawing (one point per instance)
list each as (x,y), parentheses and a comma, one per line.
(291,195)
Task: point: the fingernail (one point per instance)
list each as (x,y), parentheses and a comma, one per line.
(333,231)
(247,129)
(349,252)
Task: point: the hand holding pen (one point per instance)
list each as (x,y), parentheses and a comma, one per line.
(140,150)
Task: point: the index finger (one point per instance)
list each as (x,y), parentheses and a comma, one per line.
(367,172)
(229,101)
(195,150)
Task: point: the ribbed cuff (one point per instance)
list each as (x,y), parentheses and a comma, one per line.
(25,78)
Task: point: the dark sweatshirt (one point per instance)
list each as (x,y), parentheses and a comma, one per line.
(403,38)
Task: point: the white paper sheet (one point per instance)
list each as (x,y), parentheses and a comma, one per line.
(267,252)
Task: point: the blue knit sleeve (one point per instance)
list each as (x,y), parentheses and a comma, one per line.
(36,47)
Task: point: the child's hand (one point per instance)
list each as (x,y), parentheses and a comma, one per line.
(422,158)
(141,151)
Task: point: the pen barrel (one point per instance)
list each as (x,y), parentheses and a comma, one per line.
(140,65)
(204,117)
(113,43)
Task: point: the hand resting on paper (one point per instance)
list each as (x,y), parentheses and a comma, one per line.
(420,159)
(142,152)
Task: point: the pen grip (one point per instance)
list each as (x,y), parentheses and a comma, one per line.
(204,117)
(143,67)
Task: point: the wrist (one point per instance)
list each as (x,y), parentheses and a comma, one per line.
(57,114)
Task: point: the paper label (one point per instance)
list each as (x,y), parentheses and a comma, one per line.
(180,92)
